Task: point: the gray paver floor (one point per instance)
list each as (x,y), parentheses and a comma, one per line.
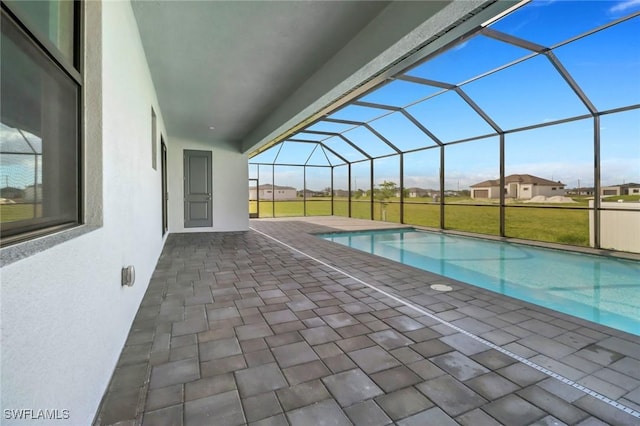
(236,328)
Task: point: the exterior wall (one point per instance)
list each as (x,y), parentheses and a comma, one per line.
(618,228)
(493,191)
(65,316)
(526,192)
(230,182)
(610,190)
(280,194)
(547,191)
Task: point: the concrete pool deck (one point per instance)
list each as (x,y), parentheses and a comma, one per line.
(275,326)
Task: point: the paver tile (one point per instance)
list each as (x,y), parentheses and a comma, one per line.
(253,331)
(339,320)
(169,416)
(221,409)
(293,354)
(164,397)
(553,405)
(459,366)
(403,403)
(305,372)
(432,416)
(256,380)
(492,386)
(302,394)
(261,406)
(477,417)
(390,339)
(326,412)
(513,410)
(396,378)
(351,386)
(403,323)
(367,413)
(175,372)
(278,317)
(373,359)
(209,386)
(222,348)
(319,335)
(277,420)
(451,395)
(339,363)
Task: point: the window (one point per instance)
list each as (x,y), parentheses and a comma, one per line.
(154,144)
(41,88)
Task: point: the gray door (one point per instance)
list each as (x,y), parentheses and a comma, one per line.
(197,189)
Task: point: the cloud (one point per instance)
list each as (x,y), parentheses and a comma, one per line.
(624,6)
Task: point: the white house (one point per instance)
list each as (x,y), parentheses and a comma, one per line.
(270,192)
(623,189)
(521,187)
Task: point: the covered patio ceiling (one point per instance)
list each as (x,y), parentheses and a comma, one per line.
(254,70)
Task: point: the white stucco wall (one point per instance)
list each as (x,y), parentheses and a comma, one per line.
(546,191)
(65,316)
(230,185)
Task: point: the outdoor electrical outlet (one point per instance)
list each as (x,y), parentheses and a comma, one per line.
(128,276)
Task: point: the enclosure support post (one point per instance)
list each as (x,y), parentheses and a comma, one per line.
(371,186)
(304,190)
(273,190)
(349,190)
(502,185)
(442,222)
(401,188)
(596,180)
(332,167)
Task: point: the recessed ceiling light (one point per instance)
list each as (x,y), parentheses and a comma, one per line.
(211,127)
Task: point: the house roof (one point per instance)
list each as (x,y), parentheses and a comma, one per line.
(269,186)
(625,185)
(526,179)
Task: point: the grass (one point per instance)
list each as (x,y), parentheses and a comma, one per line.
(566,226)
(16,212)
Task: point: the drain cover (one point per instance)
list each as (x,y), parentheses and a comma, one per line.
(441,287)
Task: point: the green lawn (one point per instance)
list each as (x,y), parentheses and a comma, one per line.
(15,212)
(567,226)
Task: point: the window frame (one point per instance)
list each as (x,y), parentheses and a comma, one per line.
(73,70)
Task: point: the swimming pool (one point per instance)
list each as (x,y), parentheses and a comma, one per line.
(600,289)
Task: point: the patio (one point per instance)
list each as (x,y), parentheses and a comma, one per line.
(237,328)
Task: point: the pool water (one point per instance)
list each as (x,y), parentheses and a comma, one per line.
(601,289)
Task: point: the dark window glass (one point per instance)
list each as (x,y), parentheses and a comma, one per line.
(51,19)
(38,138)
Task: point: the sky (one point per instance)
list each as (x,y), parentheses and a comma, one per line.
(605,65)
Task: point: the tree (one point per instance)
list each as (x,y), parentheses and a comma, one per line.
(383,193)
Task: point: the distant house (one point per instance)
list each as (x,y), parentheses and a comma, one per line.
(416,192)
(270,192)
(624,189)
(12,193)
(33,193)
(309,193)
(340,193)
(521,187)
(581,191)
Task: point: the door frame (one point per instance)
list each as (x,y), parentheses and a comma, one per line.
(257,213)
(198,198)
(165,191)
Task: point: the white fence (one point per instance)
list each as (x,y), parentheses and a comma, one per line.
(619,229)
